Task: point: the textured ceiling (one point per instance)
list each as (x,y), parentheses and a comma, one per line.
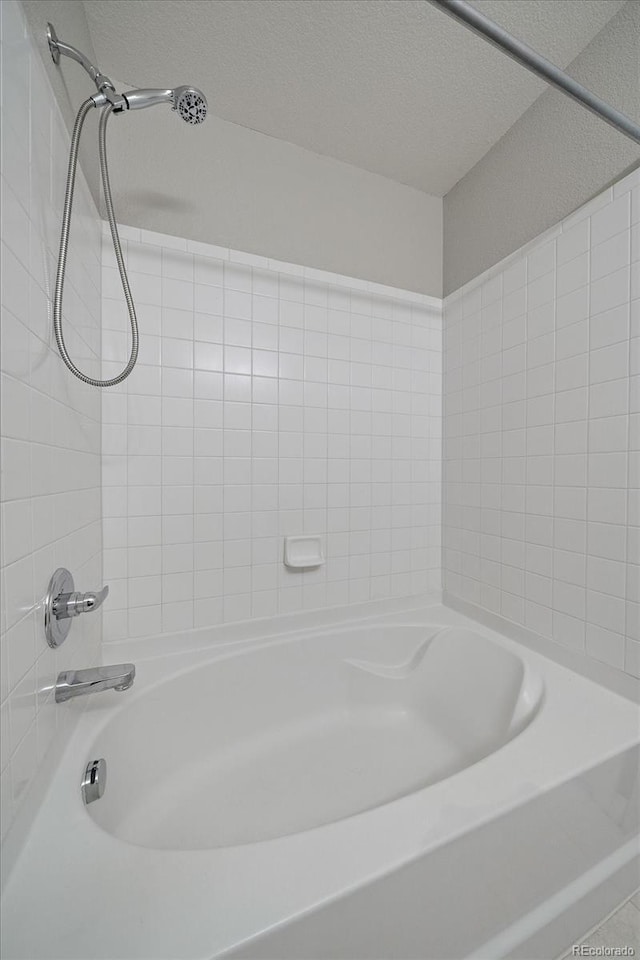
(392,86)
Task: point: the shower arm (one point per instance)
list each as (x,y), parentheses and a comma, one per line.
(527,57)
(103,83)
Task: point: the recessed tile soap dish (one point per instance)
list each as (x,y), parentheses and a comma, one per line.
(301,553)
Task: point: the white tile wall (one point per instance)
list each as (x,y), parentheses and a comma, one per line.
(268,400)
(50,422)
(542,461)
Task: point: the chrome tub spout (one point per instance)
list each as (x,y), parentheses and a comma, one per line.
(77,683)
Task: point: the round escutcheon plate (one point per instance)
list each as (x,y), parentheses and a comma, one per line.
(56,630)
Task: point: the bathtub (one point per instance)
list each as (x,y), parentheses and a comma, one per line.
(403,785)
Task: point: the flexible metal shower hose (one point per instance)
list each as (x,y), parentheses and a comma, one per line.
(64,244)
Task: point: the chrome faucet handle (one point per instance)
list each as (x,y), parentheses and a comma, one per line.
(91,601)
(76,603)
(63,602)
(73,604)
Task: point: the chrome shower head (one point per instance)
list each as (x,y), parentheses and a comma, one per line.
(189,102)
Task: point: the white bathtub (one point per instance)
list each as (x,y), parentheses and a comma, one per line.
(379,789)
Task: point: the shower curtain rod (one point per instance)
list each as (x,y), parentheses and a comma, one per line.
(527,57)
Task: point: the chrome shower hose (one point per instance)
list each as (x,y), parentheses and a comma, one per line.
(64,244)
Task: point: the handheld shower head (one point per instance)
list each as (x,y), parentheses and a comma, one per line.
(189,102)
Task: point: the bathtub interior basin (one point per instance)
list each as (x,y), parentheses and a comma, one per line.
(297,734)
